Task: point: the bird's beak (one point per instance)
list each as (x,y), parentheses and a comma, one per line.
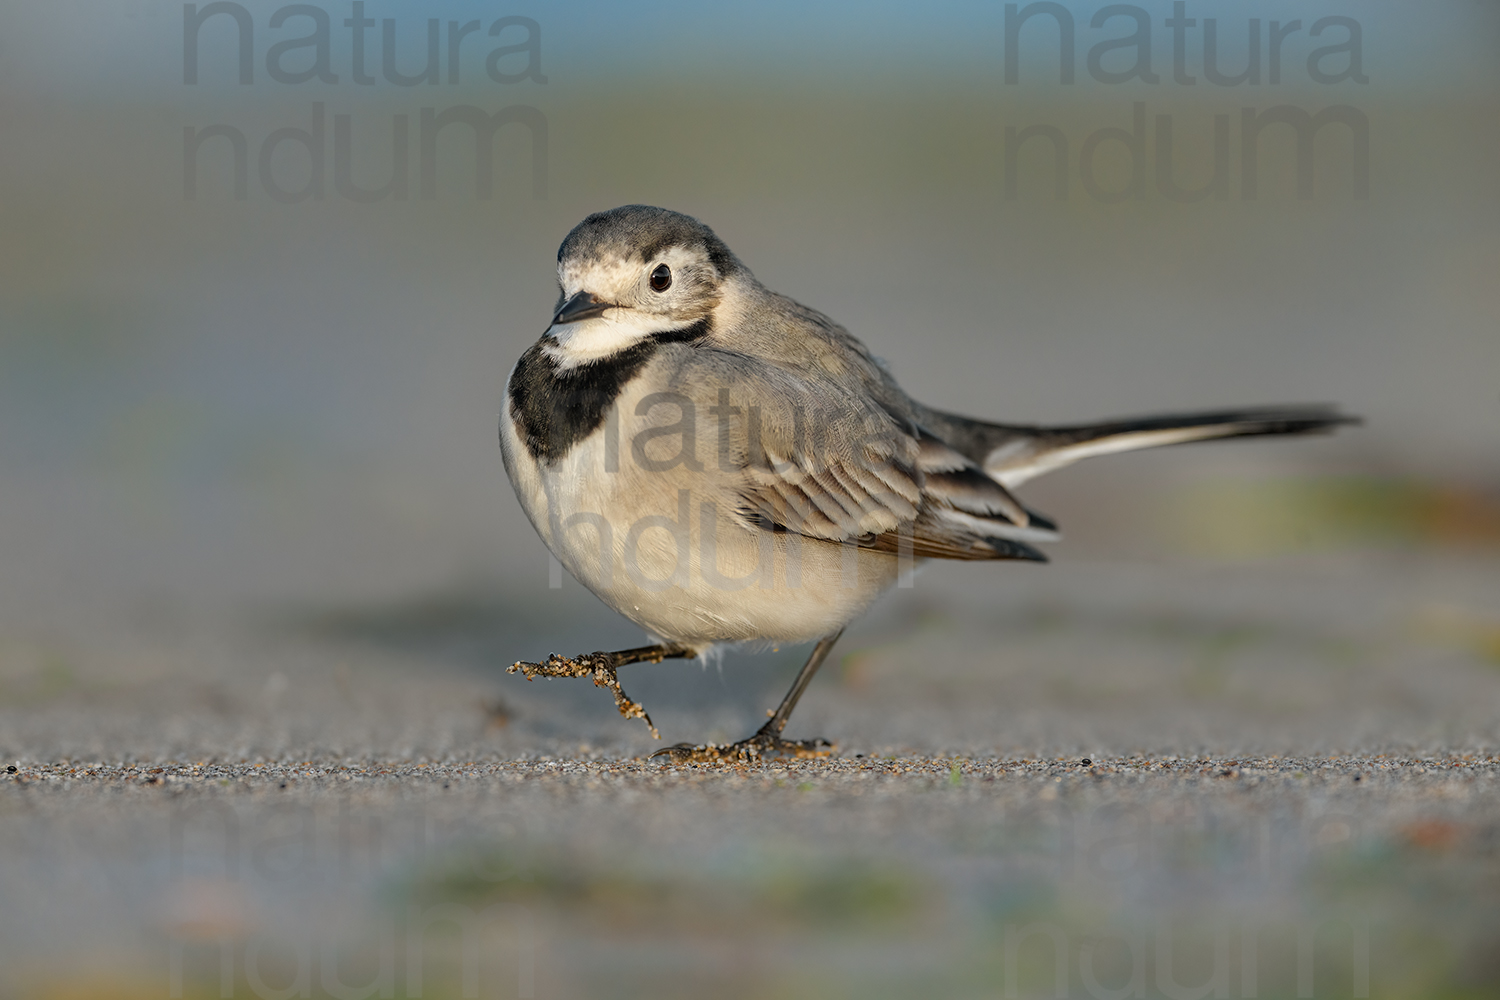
(580,307)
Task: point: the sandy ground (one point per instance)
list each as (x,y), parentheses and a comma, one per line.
(1086,780)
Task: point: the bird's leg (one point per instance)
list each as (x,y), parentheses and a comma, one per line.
(767,741)
(601,666)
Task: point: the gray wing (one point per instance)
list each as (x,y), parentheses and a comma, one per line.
(819,459)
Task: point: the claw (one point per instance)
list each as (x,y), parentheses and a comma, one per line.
(763,745)
(602,667)
(674,751)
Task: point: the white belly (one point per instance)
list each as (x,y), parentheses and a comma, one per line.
(663,548)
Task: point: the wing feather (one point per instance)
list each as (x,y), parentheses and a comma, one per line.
(898,489)
(805,451)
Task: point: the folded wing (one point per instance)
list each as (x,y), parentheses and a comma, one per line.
(856,474)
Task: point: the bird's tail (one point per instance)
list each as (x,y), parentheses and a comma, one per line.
(1014,454)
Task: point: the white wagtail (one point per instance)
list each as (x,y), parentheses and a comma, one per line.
(721,464)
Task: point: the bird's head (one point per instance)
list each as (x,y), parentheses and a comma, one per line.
(636,273)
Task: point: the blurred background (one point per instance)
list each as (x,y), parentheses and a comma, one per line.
(251,500)
(211,401)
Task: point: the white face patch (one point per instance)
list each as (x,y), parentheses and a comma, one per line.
(588,340)
(610,280)
(638,312)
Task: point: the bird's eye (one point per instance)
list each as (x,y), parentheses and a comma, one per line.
(661,278)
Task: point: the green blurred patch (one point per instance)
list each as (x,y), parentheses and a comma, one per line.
(828,892)
(62,336)
(155,436)
(1251,518)
(32,673)
(1454,626)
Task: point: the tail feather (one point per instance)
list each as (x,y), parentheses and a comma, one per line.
(1014,454)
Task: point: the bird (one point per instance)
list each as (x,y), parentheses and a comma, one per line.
(723,465)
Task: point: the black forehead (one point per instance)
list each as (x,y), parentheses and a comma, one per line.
(642,231)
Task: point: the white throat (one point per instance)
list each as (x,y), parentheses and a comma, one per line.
(574,344)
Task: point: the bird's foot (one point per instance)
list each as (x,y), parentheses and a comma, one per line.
(602,667)
(764,745)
